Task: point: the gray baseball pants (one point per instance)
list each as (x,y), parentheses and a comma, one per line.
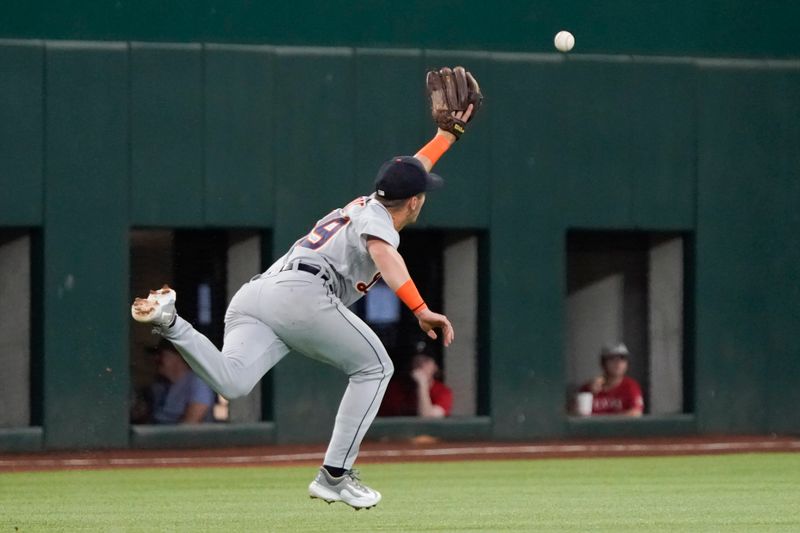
(294,310)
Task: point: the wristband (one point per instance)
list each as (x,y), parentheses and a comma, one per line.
(435,148)
(410,296)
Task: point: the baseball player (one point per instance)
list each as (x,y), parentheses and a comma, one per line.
(301,302)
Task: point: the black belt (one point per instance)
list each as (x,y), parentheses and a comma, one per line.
(311,269)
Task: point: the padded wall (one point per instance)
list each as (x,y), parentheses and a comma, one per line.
(189,135)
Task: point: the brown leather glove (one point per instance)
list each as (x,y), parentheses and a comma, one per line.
(451,90)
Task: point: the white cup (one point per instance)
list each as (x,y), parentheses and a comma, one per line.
(583,403)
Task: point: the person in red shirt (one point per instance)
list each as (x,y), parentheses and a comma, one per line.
(422,394)
(614,393)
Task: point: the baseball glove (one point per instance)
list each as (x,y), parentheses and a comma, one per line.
(451,90)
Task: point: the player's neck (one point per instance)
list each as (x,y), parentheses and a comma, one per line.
(399,220)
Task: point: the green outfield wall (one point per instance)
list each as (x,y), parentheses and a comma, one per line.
(721,28)
(99,137)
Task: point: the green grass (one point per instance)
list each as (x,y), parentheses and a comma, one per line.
(756,492)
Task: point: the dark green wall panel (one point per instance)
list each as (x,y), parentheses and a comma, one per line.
(675,27)
(782,253)
(239,135)
(613,141)
(166,153)
(86,378)
(526,263)
(742,171)
(221,135)
(594,143)
(21,133)
(662,145)
(595,134)
(529,126)
(389,113)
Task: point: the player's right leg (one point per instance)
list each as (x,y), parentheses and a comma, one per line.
(250,347)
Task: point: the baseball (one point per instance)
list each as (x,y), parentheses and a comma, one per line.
(564,41)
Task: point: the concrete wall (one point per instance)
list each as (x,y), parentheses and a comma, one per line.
(15,329)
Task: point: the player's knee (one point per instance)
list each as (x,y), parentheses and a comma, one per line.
(380,370)
(233,389)
(388,368)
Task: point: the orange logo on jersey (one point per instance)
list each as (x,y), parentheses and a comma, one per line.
(360,201)
(365,287)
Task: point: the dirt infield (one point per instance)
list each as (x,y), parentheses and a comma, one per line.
(399,451)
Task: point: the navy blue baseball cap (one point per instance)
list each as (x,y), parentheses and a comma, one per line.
(404,176)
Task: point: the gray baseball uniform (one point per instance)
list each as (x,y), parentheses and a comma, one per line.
(300,303)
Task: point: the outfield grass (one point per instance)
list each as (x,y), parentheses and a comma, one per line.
(754,492)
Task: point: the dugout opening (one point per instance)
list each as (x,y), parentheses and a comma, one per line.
(20,354)
(450,270)
(629,287)
(206,267)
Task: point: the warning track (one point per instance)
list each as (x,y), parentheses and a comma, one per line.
(405,451)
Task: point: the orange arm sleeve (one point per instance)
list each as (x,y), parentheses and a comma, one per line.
(410,296)
(434,149)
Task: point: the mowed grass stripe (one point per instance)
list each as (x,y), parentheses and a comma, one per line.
(748,492)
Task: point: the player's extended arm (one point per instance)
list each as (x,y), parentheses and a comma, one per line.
(395,273)
(442,141)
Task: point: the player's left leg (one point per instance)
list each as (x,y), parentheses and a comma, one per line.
(249,351)
(250,348)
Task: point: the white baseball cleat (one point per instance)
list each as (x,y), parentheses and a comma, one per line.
(157,309)
(347,489)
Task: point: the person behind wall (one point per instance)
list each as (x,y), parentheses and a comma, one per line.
(421,394)
(182,397)
(614,393)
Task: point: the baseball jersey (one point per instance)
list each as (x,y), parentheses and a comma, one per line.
(623,397)
(401,397)
(339,240)
(442,395)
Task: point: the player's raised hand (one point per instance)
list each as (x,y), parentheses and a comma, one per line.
(459,116)
(465,115)
(428,320)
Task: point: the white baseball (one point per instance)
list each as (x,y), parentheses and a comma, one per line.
(564,41)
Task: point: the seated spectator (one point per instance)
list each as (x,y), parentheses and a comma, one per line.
(419,393)
(614,393)
(183,398)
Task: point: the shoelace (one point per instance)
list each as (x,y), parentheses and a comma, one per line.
(354,475)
